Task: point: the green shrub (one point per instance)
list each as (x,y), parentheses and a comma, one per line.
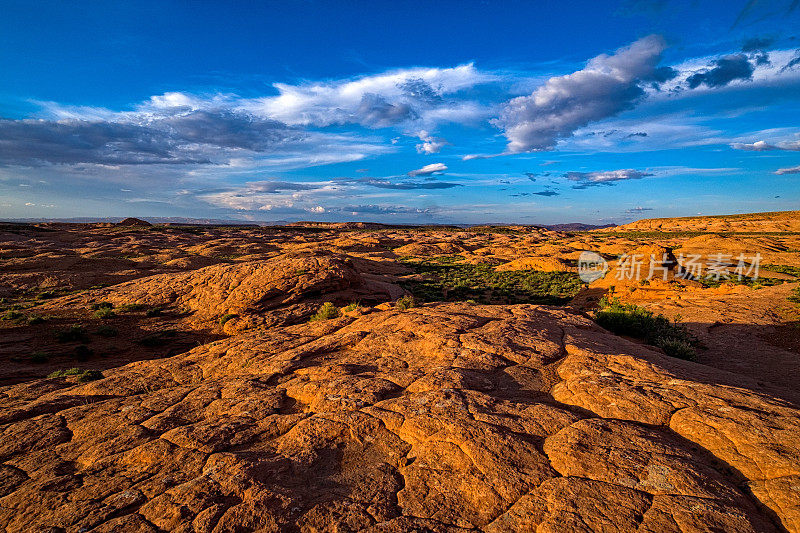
(131,308)
(406,302)
(65,373)
(451,281)
(352,306)
(795,296)
(36,319)
(12,314)
(656,330)
(44,295)
(227,316)
(104,313)
(90,375)
(154,311)
(83,375)
(74,333)
(107,331)
(325,312)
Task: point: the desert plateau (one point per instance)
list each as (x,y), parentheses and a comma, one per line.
(390,266)
(360,377)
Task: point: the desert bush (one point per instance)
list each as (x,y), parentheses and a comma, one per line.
(107,331)
(104,313)
(65,373)
(74,333)
(102,305)
(795,296)
(406,302)
(90,375)
(226,317)
(12,314)
(325,312)
(36,319)
(352,306)
(82,375)
(154,311)
(452,281)
(131,308)
(638,322)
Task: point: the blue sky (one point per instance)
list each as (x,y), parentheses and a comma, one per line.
(465,112)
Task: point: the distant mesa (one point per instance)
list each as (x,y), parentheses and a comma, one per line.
(130,221)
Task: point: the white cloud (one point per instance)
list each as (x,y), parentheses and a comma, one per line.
(427,170)
(764,146)
(790,170)
(429,144)
(605,177)
(397,96)
(608,85)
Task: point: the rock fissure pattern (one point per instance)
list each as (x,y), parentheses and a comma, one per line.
(446,417)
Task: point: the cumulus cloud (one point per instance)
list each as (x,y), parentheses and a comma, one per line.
(764,146)
(725,70)
(429,144)
(427,170)
(790,170)
(607,177)
(375,101)
(793,62)
(608,85)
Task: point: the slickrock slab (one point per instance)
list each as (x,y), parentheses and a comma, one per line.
(445,417)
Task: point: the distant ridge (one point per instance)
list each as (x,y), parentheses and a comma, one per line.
(773,221)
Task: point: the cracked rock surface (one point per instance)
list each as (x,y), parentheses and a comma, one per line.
(444,417)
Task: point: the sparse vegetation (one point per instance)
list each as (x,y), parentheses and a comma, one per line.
(132,308)
(107,331)
(226,317)
(406,302)
(102,305)
(783,269)
(352,306)
(795,296)
(450,281)
(82,375)
(104,313)
(153,311)
(325,312)
(74,333)
(12,314)
(36,319)
(638,322)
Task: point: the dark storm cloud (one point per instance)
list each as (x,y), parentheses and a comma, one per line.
(725,70)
